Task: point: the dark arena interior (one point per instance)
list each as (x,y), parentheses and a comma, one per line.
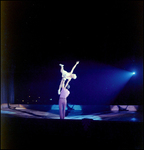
(105,105)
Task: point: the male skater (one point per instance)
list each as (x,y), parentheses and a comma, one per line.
(62,100)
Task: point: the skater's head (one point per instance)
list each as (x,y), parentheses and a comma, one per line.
(74,76)
(68,86)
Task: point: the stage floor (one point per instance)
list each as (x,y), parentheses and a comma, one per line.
(76,114)
(25,126)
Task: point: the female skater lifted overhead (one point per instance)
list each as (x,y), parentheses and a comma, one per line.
(67,76)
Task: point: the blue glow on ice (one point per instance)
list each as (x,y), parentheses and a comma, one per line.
(55,107)
(7,112)
(75,107)
(80,117)
(133,119)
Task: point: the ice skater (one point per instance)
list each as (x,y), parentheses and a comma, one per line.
(63,100)
(67,76)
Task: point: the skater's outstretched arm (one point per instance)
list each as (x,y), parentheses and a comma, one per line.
(61,85)
(74,67)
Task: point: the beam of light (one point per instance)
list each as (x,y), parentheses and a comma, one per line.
(99,84)
(133,73)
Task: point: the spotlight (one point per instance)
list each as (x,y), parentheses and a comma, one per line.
(133,73)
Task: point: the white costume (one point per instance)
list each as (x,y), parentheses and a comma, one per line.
(65,75)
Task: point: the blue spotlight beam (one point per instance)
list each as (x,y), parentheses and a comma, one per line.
(99,84)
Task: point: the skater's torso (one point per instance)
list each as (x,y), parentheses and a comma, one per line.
(64,93)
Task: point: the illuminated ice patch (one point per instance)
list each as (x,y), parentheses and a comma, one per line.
(80,117)
(75,107)
(133,119)
(7,112)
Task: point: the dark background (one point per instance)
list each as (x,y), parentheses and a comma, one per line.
(38,36)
